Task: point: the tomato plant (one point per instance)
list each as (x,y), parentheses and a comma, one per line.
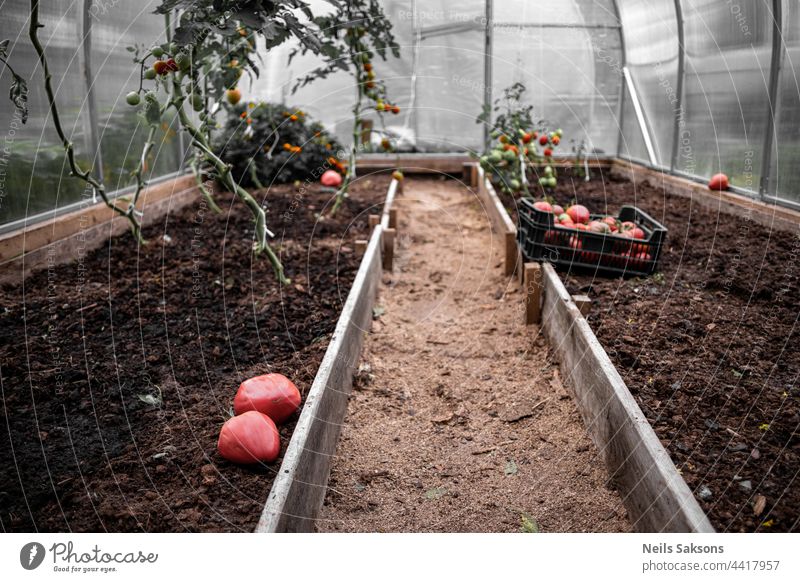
(213,45)
(352,36)
(518,137)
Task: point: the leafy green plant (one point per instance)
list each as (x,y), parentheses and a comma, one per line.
(273,143)
(213,46)
(518,143)
(352,36)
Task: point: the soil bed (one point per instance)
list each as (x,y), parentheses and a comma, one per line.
(458,420)
(89,349)
(709,349)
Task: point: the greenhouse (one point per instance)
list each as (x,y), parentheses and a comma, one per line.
(400,266)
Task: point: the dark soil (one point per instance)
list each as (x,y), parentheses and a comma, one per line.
(709,348)
(90,348)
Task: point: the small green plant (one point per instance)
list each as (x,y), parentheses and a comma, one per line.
(581,164)
(268,143)
(516,143)
(352,36)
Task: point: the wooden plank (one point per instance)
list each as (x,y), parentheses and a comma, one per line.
(511,259)
(389,203)
(533,293)
(388,248)
(500,220)
(299,488)
(374,220)
(361,247)
(583,303)
(768,215)
(33,237)
(61,247)
(451,164)
(655,495)
(393,218)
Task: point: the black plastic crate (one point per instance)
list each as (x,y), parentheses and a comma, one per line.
(611,254)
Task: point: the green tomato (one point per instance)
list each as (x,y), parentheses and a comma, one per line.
(133,98)
(157,52)
(174,48)
(495,134)
(543,181)
(197,102)
(183,61)
(559,132)
(509,156)
(150,74)
(514,184)
(495,157)
(548,171)
(551,181)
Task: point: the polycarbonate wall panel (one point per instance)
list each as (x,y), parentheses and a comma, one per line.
(561,12)
(728,51)
(33,174)
(121,135)
(449,99)
(785,172)
(567,76)
(650,29)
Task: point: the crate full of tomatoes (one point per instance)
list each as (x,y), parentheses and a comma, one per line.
(628,244)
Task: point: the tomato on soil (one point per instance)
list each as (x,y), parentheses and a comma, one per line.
(271,394)
(249,438)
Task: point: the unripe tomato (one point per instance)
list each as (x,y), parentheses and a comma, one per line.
(397,175)
(150,74)
(133,98)
(157,52)
(233,96)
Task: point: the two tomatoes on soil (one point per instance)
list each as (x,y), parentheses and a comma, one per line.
(261,403)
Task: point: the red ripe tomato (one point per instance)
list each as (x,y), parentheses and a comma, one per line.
(543,206)
(557,210)
(626,226)
(251,437)
(556,140)
(527,138)
(637,232)
(161,67)
(548,152)
(575,242)
(172,66)
(582,227)
(611,222)
(331,178)
(578,213)
(718,182)
(543,140)
(271,394)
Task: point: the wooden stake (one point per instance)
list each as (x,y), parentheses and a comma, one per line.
(533,293)
(584,304)
(361,247)
(374,220)
(512,252)
(388,248)
(393,218)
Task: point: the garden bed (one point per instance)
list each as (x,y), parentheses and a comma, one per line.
(184,320)
(707,348)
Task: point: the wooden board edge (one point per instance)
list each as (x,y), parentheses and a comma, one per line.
(339,362)
(387,205)
(657,498)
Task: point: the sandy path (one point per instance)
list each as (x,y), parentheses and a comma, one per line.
(458,420)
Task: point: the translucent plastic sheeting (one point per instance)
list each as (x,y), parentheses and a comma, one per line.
(33,170)
(650,30)
(726,91)
(785,172)
(121,135)
(331,100)
(568,79)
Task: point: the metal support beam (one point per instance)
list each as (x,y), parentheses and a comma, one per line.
(88,80)
(623,63)
(774,72)
(678,112)
(487,70)
(637,107)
